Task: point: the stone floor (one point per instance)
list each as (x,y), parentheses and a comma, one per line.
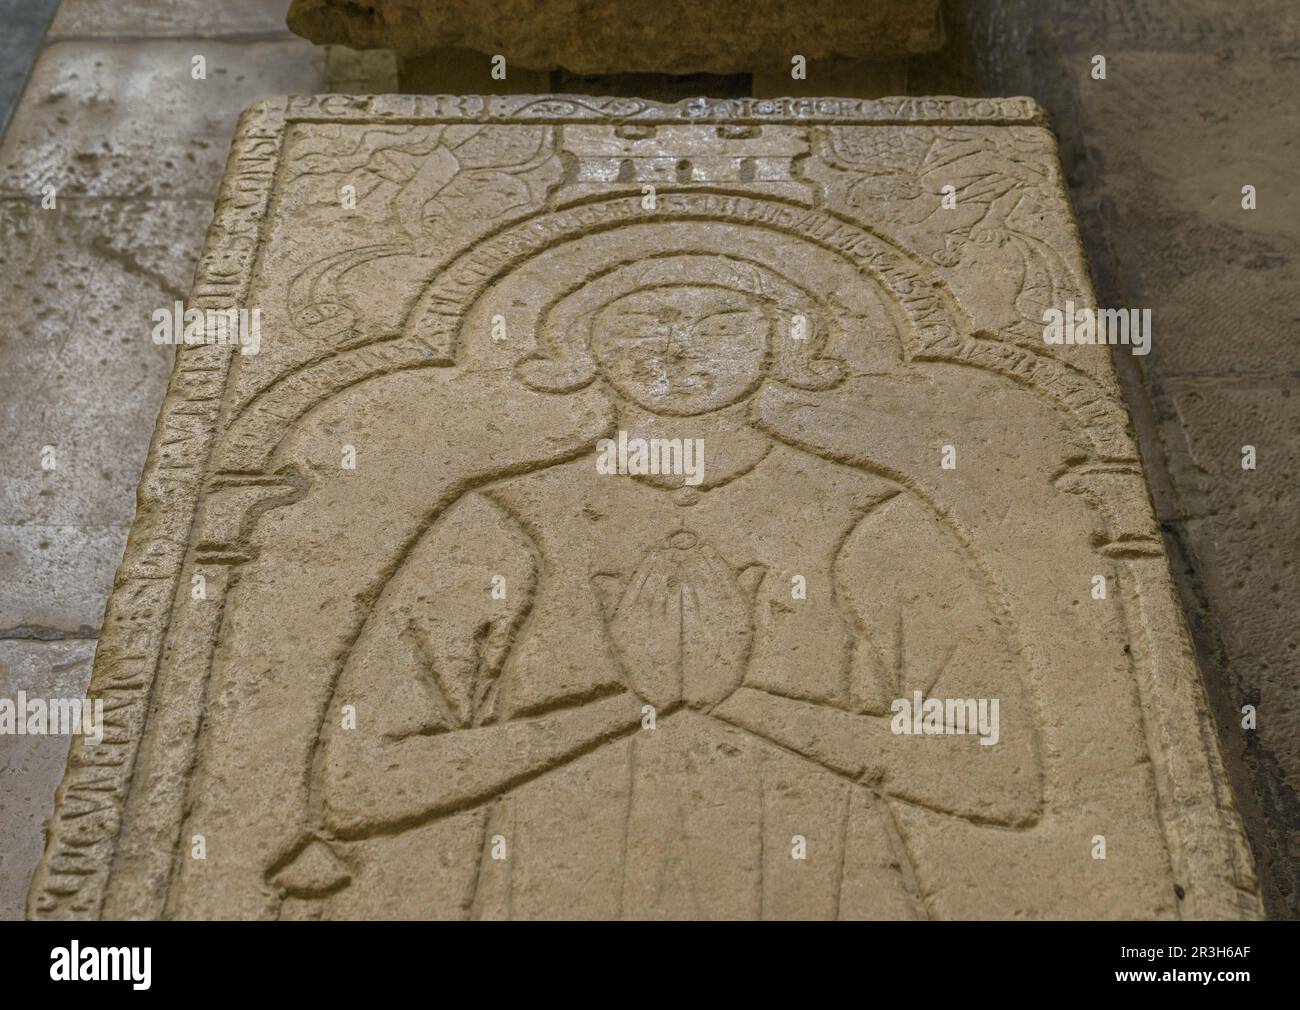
(134,147)
(1195,105)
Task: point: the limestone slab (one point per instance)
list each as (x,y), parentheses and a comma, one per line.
(389,641)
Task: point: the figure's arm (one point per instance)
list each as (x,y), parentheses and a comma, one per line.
(425,680)
(925,623)
(378,786)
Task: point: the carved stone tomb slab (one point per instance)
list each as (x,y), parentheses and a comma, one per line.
(632,510)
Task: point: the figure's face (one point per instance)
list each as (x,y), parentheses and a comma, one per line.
(682,350)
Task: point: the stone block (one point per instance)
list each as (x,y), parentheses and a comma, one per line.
(639,510)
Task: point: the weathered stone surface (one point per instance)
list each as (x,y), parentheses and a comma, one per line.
(54,579)
(82,18)
(80,282)
(618,36)
(78,370)
(360,72)
(1242,525)
(418,678)
(81,129)
(30,764)
(1223,279)
(1197,103)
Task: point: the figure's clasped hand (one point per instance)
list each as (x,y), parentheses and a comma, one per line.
(682,625)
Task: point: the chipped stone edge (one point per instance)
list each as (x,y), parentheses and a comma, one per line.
(72,878)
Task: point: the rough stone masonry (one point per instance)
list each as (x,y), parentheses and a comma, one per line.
(639,510)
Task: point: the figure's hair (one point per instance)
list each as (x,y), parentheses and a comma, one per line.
(564,363)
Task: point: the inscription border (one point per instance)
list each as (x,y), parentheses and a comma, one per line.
(72,878)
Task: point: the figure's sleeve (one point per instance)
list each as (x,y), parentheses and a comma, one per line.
(424,679)
(924,619)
